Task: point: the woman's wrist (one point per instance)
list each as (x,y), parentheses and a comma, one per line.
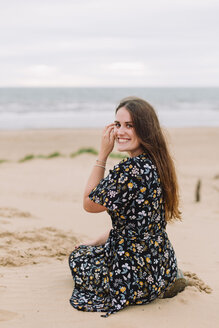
(102,158)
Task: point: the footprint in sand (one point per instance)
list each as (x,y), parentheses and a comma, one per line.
(10,212)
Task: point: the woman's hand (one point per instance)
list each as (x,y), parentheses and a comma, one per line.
(88,243)
(107,141)
(97,242)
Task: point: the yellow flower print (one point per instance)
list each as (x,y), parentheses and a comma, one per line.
(142,189)
(110,274)
(122,217)
(91,277)
(156,243)
(122,289)
(130,185)
(130,166)
(146,202)
(97,262)
(167,271)
(127,169)
(126,253)
(121,241)
(141,283)
(148,260)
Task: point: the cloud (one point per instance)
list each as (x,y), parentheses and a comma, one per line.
(41,70)
(117,42)
(126,66)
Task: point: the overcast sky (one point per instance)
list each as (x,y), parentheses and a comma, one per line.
(109,43)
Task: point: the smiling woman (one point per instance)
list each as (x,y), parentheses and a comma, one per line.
(134,262)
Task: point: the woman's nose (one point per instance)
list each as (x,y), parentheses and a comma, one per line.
(120,130)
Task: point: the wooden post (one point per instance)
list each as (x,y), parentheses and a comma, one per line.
(197,191)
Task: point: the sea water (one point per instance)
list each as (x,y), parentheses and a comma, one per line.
(39,108)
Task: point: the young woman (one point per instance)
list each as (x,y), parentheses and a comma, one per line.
(134,262)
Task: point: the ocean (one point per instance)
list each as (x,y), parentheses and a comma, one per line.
(45,108)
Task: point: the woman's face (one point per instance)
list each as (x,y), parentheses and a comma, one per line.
(125,135)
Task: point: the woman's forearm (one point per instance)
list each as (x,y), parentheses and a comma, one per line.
(96,175)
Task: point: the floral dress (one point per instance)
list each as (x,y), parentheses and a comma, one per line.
(137,263)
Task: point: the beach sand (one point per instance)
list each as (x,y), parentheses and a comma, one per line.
(41,219)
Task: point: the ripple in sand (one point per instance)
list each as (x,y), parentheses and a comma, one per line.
(34,246)
(10,212)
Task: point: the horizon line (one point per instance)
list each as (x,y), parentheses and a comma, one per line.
(104,87)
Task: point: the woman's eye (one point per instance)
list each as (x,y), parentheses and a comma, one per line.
(129,126)
(117,125)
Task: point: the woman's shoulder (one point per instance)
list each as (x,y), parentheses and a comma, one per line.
(137,165)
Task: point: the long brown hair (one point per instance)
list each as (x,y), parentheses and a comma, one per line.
(148,130)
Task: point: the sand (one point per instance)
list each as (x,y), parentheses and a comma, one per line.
(41,219)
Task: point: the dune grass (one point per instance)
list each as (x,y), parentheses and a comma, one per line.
(117,155)
(31,156)
(52,155)
(26,158)
(80,151)
(3,161)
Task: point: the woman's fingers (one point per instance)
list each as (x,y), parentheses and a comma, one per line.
(108,138)
(112,134)
(108,128)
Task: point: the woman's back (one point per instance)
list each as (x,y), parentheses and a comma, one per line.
(138,258)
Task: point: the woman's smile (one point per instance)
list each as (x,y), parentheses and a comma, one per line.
(122,140)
